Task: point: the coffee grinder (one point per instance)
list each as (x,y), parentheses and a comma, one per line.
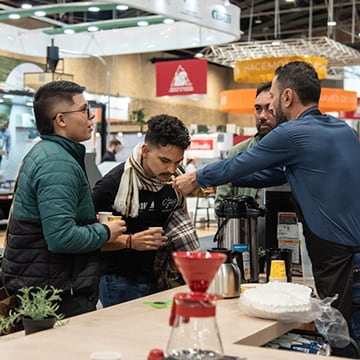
(195,334)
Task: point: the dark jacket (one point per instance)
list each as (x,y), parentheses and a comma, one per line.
(154,210)
(108,156)
(47,242)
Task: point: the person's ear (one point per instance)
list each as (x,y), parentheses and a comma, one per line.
(144,150)
(288,96)
(59,120)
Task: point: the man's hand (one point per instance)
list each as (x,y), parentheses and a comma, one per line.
(116,228)
(186,183)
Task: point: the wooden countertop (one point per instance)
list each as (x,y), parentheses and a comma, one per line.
(133,328)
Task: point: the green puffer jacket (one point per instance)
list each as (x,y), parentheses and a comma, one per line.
(225,191)
(53,237)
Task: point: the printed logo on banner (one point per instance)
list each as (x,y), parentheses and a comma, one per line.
(181,81)
(183,77)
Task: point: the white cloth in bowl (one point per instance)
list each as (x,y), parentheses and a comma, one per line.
(280,301)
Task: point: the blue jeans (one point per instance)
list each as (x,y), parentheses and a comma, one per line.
(115,289)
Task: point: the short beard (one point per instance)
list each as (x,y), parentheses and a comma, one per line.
(280,116)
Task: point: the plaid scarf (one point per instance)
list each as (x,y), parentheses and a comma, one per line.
(132,181)
(182,236)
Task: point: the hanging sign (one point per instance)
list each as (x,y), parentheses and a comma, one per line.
(262,70)
(337,100)
(241,101)
(181,77)
(353,115)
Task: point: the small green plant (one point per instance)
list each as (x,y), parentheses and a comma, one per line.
(262,252)
(36,303)
(138,116)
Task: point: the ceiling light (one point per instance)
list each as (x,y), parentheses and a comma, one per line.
(122,7)
(26,6)
(331,23)
(14,16)
(199,55)
(169,21)
(258,20)
(93,28)
(276,43)
(69,31)
(143,23)
(40,13)
(94,9)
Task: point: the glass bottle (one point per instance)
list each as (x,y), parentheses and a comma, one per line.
(194,334)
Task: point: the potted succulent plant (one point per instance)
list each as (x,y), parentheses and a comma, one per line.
(37,310)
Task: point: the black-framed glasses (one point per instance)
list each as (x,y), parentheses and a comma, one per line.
(86,111)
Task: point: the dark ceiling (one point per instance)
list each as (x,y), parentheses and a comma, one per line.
(260,19)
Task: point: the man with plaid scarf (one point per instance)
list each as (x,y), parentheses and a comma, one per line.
(140,190)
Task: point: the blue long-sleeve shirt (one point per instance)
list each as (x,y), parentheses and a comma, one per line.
(319,155)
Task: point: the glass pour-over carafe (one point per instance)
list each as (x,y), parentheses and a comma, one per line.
(195,334)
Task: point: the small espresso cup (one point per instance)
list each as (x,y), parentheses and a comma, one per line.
(279,254)
(159,228)
(103,216)
(114,217)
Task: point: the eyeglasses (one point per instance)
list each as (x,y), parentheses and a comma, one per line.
(87,110)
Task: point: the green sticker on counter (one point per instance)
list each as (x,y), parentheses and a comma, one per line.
(159,304)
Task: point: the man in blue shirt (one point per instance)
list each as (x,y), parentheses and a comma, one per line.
(319,157)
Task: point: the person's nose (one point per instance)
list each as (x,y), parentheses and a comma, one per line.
(264,114)
(172,168)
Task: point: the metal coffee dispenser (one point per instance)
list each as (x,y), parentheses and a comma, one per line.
(237,231)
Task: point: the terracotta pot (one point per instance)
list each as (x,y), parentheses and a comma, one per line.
(32,326)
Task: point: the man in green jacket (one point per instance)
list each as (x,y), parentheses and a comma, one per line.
(265,122)
(53,236)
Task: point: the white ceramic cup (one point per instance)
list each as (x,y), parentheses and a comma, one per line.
(105,355)
(103,216)
(158,228)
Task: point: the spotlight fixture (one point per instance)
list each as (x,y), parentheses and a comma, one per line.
(94,9)
(26,6)
(169,21)
(40,13)
(122,7)
(143,23)
(93,28)
(331,23)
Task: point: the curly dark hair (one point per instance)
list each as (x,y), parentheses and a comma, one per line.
(47,97)
(167,130)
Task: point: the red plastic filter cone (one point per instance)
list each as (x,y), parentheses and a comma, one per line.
(198,267)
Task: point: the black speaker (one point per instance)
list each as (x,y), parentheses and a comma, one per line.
(52,57)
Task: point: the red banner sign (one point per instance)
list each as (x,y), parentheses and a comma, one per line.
(183,77)
(353,115)
(202,144)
